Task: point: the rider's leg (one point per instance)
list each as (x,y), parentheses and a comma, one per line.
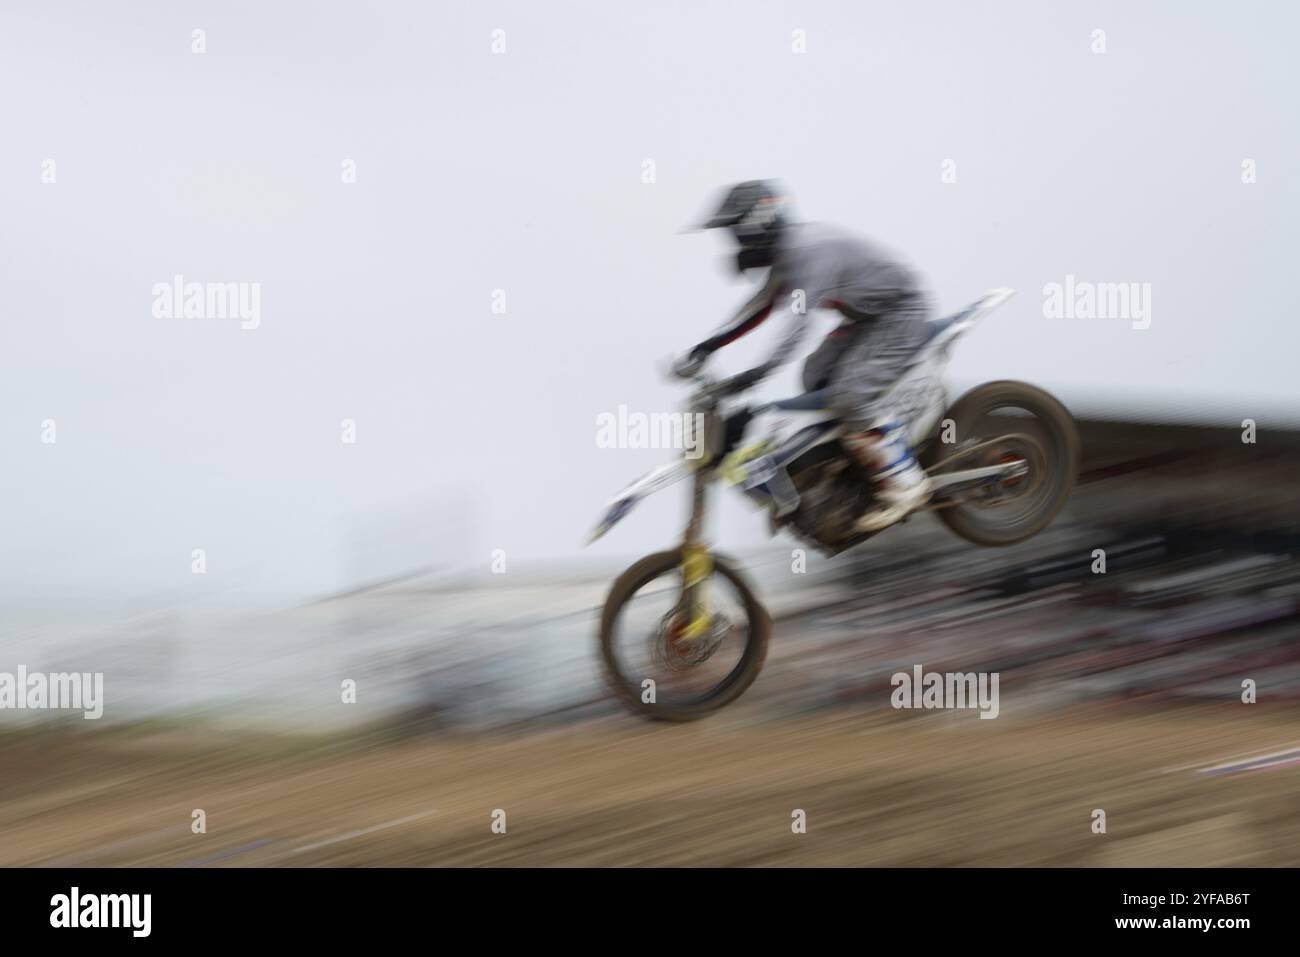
(819,366)
(877,437)
(901,485)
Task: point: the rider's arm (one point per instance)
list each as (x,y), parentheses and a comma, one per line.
(792,334)
(795,293)
(749,318)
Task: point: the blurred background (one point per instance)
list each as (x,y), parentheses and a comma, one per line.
(464,222)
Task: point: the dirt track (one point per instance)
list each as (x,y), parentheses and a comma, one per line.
(938,789)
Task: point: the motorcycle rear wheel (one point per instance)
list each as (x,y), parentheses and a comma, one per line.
(1054,460)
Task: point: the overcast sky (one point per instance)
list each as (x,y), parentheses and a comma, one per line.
(523,169)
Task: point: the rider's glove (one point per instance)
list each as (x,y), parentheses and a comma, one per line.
(690,364)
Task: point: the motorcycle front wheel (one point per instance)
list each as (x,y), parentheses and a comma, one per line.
(651,666)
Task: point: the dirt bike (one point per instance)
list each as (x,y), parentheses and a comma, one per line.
(1002,461)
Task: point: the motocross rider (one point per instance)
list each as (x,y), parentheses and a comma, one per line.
(884,312)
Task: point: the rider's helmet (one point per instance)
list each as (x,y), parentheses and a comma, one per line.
(756,211)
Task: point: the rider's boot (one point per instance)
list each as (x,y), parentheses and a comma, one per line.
(901,485)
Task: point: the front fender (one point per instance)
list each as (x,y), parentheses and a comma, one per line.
(644,487)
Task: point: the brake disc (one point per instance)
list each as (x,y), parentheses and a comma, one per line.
(678,653)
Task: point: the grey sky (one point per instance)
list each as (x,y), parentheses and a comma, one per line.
(522,171)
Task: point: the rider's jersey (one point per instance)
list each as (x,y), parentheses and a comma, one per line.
(820,266)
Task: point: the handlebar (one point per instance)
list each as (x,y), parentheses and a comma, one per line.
(707,388)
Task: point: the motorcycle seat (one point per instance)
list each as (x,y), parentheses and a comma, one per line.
(820,399)
(808,402)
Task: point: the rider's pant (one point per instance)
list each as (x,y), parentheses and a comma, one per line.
(860,360)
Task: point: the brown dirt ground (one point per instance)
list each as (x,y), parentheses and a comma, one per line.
(885,790)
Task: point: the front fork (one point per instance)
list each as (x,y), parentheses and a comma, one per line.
(697,563)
